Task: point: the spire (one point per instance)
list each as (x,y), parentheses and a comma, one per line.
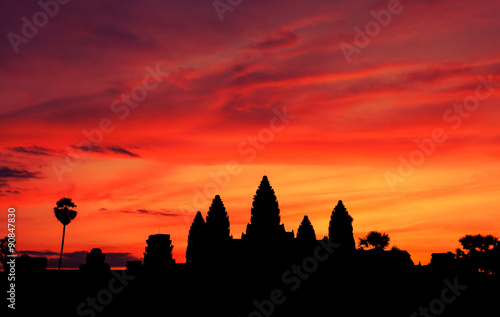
(265,181)
(196,239)
(306,231)
(340,229)
(265,208)
(217,220)
(265,214)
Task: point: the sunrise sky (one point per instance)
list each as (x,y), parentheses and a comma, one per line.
(267,90)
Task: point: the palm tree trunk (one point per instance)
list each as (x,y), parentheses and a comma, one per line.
(62,245)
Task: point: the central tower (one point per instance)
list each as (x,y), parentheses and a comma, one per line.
(265,216)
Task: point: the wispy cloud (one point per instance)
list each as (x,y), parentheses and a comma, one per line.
(34,150)
(9,175)
(12,173)
(282,39)
(161,212)
(92,148)
(106,149)
(120,150)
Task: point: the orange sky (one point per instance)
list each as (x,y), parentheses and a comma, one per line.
(214,101)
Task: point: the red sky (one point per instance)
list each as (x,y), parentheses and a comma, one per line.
(219,86)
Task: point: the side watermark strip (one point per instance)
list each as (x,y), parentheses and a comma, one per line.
(11,263)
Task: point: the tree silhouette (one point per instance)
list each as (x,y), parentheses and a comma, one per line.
(196,239)
(460,253)
(265,215)
(489,243)
(340,228)
(306,232)
(375,240)
(4,252)
(217,221)
(395,248)
(478,243)
(64,212)
(482,252)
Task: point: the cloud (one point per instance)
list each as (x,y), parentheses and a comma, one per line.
(49,108)
(161,212)
(119,150)
(74,259)
(110,148)
(283,39)
(34,150)
(8,175)
(123,37)
(431,74)
(39,253)
(7,172)
(93,148)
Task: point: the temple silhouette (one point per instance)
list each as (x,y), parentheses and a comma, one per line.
(95,263)
(158,252)
(269,271)
(265,241)
(210,241)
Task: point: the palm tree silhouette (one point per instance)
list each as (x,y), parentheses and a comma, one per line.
(64,212)
(375,240)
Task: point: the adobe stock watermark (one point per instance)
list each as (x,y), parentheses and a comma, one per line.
(437,306)
(221,7)
(29,30)
(362,39)
(426,147)
(248,148)
(122,106)
(292,279)
(104,297)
